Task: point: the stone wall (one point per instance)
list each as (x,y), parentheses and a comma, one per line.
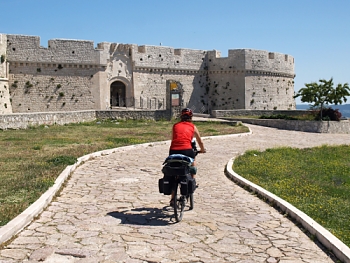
(251,79)
(5,101)
(159,57)
(150,85)
(133,115)
(25,120)
(154,66)
(340,127)
(235,113)
(62,77)
(27,49)
(52,87)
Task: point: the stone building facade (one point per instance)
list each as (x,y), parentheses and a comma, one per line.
(72,75)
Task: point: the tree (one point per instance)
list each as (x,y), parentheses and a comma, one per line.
(323,93)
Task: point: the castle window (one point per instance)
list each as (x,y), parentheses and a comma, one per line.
(271,55)
(141,59)
(285,57)
(160,55)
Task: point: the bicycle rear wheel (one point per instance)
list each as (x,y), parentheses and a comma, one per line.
(179,205)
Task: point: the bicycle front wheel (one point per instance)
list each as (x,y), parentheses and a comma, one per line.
(179,205)
(191,202)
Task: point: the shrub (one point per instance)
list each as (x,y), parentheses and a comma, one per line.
(278,116)
(329,114)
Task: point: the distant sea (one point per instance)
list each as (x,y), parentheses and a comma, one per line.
(343,108)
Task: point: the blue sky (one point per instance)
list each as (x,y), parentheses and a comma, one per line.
(315,32)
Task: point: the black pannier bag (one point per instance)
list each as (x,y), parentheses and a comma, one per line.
(168,184)
(192,185)
(188,185)
(184,185)
(175,165)
(160,185)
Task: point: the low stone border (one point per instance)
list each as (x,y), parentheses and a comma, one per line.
(341,127)
(340,250)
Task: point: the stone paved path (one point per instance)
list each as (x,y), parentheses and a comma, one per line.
(110,211)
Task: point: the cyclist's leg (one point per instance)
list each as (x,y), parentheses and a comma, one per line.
(193,170)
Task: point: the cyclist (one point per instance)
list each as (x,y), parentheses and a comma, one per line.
(182,134)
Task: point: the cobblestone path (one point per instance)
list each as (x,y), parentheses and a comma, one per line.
(110,211)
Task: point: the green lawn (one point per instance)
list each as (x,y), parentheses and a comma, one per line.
(315,180)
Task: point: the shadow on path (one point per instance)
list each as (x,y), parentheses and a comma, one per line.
(145,216)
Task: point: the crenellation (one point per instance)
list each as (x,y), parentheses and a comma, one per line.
(168,58)
(28,49)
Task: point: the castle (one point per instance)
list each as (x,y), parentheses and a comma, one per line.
(72,75)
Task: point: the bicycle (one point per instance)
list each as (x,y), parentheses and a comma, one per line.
(177,172)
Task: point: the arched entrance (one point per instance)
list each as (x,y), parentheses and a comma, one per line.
(118,94)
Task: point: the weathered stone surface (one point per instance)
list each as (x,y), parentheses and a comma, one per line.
(42,253)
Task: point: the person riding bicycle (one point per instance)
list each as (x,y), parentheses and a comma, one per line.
(182,134)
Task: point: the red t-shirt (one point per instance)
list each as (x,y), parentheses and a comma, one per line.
(182,136)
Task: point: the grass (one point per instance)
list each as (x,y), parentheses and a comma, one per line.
(32,159)
(315,180)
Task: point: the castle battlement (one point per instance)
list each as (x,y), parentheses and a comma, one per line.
(252,61)
(168,58)
(27,49)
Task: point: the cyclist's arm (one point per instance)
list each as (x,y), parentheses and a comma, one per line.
(199,140)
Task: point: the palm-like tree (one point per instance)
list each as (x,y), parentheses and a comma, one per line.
(323,93)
